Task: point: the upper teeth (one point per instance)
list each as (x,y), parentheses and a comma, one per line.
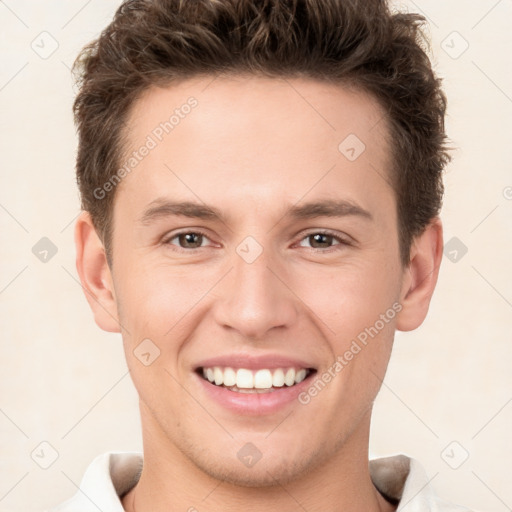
(259,379)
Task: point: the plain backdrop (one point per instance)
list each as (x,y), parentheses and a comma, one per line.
(65,395)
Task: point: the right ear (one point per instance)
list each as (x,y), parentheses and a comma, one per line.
(95,275)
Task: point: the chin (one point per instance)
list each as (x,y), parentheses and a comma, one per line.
(270,471)
(267,475)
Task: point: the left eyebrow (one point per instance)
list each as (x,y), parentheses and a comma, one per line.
(328,208)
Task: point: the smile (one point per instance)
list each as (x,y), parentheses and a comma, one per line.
(243,380)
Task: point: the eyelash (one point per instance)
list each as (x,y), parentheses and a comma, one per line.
(341,241)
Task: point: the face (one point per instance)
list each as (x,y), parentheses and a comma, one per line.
(255,244)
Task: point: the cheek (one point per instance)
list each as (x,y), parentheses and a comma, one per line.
(156,305)
(156,299)
(344,301)
(358,310)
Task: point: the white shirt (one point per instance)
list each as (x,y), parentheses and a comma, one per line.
(111,475)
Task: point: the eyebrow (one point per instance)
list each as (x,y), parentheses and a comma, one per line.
(162,208)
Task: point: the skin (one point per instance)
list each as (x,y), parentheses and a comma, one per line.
(253,148)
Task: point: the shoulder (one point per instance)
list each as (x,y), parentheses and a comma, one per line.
(403,480)
(106,479)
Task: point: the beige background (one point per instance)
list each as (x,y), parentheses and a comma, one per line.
(64,382)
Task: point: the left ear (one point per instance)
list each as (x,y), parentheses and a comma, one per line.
(420,277)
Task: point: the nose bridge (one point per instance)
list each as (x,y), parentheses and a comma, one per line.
(252,277)
(253,299)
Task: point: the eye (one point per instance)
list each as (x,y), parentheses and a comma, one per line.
(318,240)
(322,240)
(187,240)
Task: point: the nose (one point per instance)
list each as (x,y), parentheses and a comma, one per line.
(254,299)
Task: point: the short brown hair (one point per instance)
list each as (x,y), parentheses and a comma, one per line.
(356,42)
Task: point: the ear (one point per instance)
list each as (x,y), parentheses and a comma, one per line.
(420,277)
(95,275)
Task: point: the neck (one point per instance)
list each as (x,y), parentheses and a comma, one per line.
(171,481)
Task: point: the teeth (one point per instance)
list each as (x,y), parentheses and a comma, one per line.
(229,377)
(300,376)
(247,380)
(263,379)
(289,378)
(218,376)
(244,379)
(278,378)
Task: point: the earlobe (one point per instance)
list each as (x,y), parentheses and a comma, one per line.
(95,275)
(420,277)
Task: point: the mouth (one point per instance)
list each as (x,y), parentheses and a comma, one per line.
(254,381)
(253,385)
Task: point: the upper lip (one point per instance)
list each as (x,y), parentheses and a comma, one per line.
(252,362)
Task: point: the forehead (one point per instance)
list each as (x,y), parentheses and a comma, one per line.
(260,103)
(268,137)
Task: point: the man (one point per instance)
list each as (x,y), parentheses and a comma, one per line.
(261,184)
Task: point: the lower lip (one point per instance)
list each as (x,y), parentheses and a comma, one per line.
(254,403)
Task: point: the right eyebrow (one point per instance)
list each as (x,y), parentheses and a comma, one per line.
(161,208)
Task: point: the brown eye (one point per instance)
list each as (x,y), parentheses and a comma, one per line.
(187,240)
(321,240)
(190,240)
